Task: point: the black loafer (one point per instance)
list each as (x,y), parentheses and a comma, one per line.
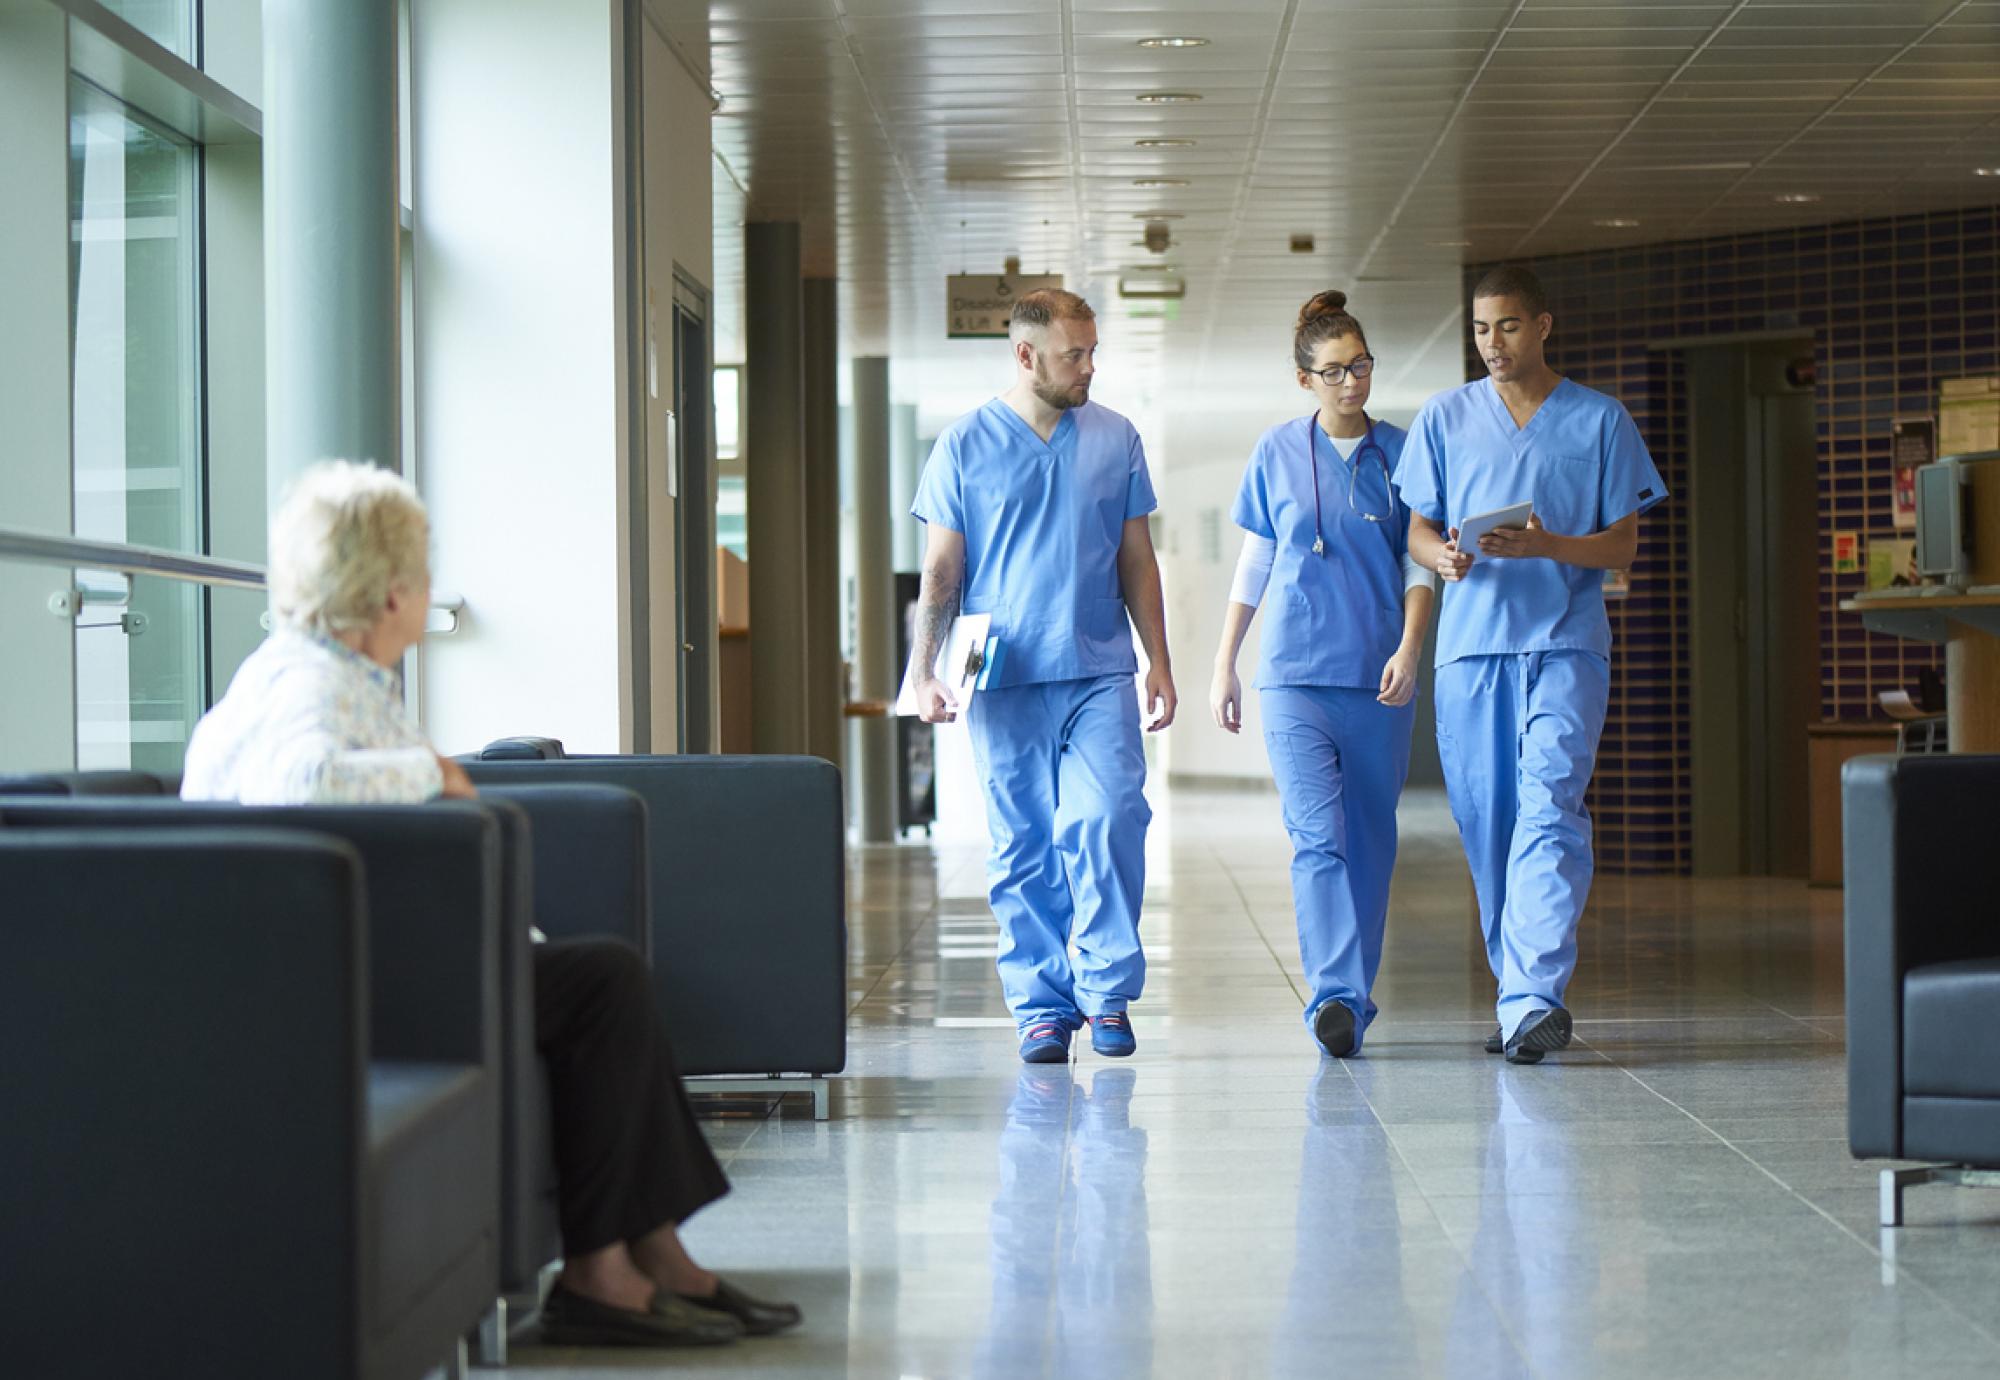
(1542,1032)
(756,1316)
(1496,1043)
(570,1319)
(1333,1027)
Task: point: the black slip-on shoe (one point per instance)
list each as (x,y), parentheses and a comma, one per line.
(760,1317)
(1542,1032)
(1333,1027)
(1496,1043)
(570,1319)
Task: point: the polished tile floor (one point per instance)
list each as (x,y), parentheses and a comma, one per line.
(1672,1197)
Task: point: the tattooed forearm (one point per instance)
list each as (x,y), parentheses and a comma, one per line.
(937,605)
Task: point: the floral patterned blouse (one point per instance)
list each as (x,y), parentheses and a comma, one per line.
(308,720)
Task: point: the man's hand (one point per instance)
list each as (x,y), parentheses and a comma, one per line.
(1225,698)
(1161,700)
(457,785)
(1399,680)
(1453,563)
(935,704)
(1517,543)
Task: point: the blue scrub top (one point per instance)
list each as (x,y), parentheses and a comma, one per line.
(1042,522)
(1579,460)
(1331,619)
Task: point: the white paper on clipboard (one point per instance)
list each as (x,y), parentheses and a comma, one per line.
(1477,526)
(957,665)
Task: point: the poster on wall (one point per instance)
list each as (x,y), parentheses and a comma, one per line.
(1846,553)
(1968,416)
(1617,584)
(1893,564)
(1914,445)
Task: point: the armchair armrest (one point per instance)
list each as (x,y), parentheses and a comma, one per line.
(431,875)
(186,1012)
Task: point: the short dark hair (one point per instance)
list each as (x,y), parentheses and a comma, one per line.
(1511,280)
(1044,306)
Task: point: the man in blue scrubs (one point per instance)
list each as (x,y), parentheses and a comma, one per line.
(1036,509)
(1524,646)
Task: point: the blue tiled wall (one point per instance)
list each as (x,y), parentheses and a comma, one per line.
(1893,306)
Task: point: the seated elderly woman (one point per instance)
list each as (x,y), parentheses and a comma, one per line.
(316,715)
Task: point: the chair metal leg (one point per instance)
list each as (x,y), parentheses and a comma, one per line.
(493,1335)
(1894,1181)
(822,1099)
(455,1364)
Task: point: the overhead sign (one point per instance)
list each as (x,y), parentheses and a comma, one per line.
(977,305)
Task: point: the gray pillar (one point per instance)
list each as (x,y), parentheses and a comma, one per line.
(876,674)
(905,464)
(775,491)
(826,688)
(332,289)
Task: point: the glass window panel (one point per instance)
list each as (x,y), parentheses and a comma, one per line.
(136,433)
(169,23)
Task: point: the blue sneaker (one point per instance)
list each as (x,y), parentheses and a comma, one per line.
(1111,1035)
(1045,1042)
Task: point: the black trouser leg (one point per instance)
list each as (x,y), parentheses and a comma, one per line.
(630,1156)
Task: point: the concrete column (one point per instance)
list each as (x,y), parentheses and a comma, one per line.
(774,450)
(825,689)
(875,671)
(332,287)
(906,463)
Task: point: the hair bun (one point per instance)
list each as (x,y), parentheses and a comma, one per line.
(1332,302)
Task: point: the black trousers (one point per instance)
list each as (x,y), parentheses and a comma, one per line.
(630,1156)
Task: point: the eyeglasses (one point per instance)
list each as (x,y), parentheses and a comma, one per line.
(1360,366)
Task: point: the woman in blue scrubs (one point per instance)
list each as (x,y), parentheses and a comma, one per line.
(1327,540)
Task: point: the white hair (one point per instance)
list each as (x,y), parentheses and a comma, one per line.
(343,537)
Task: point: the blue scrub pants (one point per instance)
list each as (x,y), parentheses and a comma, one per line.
(1065,775)
(1340,758)
(1518,737)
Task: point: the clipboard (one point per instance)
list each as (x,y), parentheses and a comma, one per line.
(966,662)
(1478,525)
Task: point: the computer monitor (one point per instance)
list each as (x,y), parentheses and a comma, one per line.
(1941,522)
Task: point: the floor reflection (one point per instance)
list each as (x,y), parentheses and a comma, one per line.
(1072,1259)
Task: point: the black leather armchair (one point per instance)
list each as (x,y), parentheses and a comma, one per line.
(1923,967)
(569,860)
(749,891)
(196,1121)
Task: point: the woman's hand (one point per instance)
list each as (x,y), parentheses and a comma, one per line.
(1453,563)
(457,785)
(1518,543)
(1225,698)
(1399,679)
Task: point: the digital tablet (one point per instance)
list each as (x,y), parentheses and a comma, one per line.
(1477,526)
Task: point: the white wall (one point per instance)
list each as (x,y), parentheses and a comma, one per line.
(37,686)
(518,227)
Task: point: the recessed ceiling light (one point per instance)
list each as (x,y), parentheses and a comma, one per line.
(1796,198)
(1159,182)
(1158,215)
(1451,244)
(1173,42)
(1164,143)
(1167,97)
(1986,172)
(1616,223)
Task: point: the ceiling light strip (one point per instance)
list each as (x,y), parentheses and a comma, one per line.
(1258,125)
(1079,235)
(1659,94)
(1437,144)
(917,206)
(1816,121)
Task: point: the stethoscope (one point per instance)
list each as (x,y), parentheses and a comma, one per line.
(1368,443)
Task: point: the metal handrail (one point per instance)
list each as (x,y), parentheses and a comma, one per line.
(78,552)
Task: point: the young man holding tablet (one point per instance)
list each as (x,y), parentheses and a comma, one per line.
(1524,645)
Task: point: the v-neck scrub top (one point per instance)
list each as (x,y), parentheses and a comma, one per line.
(1043,521)
(1579,460)
(1331,618)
